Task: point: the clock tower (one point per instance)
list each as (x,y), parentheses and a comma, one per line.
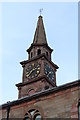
(39,72)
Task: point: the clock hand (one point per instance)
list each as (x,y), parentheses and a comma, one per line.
(49,72)
(34,69)
(31,72)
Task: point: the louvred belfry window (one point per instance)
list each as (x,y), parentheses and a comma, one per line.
(32,115)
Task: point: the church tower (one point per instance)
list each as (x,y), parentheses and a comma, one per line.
(39,72)
(39,98)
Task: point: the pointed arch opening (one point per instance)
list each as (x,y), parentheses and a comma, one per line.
(38,51)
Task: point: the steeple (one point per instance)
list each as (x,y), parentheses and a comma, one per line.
(40,35)
(39,72)
(39,45)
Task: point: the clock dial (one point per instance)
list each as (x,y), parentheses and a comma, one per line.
(49,72)
(33,70)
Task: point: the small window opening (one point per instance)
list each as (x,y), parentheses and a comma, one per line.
(47,54)
(38,52)
(31,54)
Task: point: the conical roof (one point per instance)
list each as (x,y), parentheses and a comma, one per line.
(40,35)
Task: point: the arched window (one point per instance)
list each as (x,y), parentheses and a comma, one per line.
(38,52)
(33,114)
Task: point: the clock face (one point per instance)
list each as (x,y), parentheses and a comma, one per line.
(49,72)
(33,70)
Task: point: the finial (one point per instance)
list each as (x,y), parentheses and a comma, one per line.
(41,11)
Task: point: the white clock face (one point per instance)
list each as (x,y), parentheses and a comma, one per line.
(49,72)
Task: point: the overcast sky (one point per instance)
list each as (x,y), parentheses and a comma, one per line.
(19,22)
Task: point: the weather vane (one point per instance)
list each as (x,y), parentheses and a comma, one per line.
(41,11)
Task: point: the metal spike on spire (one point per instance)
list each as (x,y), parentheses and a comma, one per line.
(41,11)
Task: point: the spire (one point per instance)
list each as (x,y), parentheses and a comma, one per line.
(40,35)
(39,41)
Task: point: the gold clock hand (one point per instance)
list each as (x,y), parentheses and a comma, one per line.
(31,72)
(49,72)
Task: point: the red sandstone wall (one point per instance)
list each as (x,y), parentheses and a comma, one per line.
(62,104)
